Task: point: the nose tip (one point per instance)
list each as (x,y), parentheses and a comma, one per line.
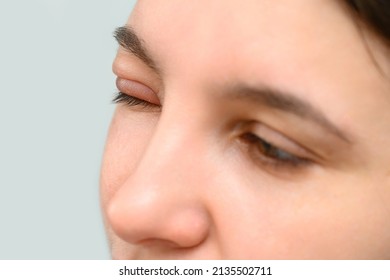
(149,218)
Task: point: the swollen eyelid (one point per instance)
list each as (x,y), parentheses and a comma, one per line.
(137,90)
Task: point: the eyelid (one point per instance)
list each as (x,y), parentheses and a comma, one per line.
(279,140)
(138,90)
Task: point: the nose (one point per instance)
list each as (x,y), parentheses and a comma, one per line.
(161,201)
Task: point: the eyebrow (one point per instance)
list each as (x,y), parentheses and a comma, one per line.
(274,98)
(129,40)
(290,103)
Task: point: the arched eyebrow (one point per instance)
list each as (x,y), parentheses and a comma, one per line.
(287,102)
(130,41)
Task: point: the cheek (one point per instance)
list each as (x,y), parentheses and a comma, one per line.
(330,216)
(128,137)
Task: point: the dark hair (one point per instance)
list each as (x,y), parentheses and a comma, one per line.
(374,13)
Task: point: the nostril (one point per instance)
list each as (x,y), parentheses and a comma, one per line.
(188,228)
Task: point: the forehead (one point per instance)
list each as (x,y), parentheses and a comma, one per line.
(263,33)
(300,45)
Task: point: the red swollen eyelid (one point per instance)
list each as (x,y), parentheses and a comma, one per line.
(137,90)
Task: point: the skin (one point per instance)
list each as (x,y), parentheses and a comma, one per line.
(181,179)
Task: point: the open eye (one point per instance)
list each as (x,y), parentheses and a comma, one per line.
(270,154)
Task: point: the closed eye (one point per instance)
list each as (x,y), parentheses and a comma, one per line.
(132,101)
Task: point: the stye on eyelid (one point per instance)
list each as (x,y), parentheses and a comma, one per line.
(137,89)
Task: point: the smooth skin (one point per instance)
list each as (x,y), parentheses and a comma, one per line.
(215,167)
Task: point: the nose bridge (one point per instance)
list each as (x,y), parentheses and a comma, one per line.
(175,145)
(161,200)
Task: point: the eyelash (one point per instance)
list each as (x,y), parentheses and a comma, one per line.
(260,150)
(270,155)
(131,101)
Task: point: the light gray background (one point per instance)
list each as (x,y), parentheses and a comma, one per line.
(55,90)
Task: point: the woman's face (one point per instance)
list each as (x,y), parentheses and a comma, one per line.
(263,131)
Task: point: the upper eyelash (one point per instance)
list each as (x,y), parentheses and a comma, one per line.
(129,100)
(255,141)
